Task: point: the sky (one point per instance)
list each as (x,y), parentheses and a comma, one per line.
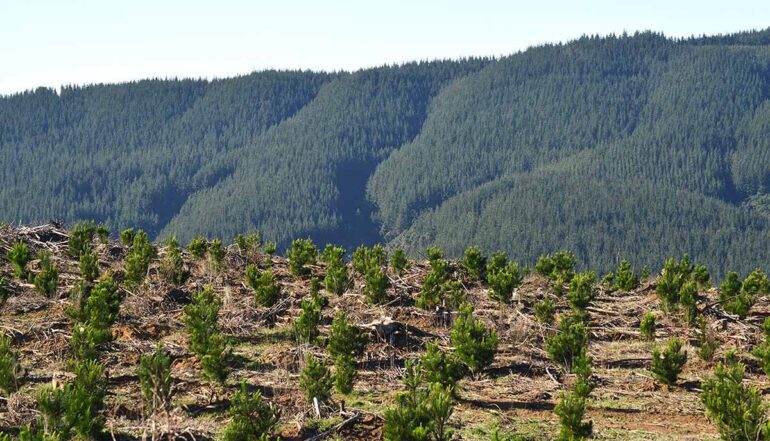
(55,42)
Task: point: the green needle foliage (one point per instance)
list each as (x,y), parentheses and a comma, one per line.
(172,267)
(138,260)
(570,410)
(266,289)
(707,344)
(422,412)
(270,248)
(475,263)
(440,367)
(216,254)
(302,252)
(377,283)
(474,344)
(738,297)
(198,247)
(647,326)
(336,279)
(625,279)
(74,411)
(252,419)
(545,311)
(206,339)
(89,265)
(19,257)
(581,291)
(559,267)
(344,373)
(668,363)
(673,278)
(762,350)
(47,278)
(92,327)
(315,380)
(398,261)
(249,245)
(306,325)
(154,374)
(567,344)
(80,239)
(502,282)
(365,258)
(11,371)
(345,338)
(430,295)
(737,411)
(127,237)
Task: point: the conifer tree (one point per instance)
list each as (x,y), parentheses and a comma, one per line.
(198,247)
(252,419)
(266,289)
(11,371)
(154,374)
(47,278)
(474,344)
(19,257)
(398,261)
(172,267)
(625,279)
(206,339)
(668,363)
(302,252)
(475,263)
(336,278)
(315,380)
(89,265)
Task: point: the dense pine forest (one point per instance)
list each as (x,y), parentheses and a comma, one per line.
(636,146)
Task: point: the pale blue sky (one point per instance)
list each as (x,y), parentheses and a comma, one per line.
(54,42)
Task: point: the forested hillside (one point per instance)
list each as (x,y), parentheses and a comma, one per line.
(623,146)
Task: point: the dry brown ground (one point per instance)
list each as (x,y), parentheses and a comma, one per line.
(516,394)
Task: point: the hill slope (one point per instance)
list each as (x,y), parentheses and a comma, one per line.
(640,146)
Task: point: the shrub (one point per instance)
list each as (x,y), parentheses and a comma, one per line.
(337,278)
(559,267)
(138,259)
(89,265)
(315,380)
(647,326)
(474,344)
(103,234)
(570,410)
(270,248)
(19,257)
(216,254)
(252,418)
(475,263)
(430,294)
(435,254)
(127,237)
(344,373)
(503,281)
(625,279)
(266,289)
(154,374)
(737,411)
(172,267)
(673,277)
(11,371)
(545,311)
(206,339)
(48,276)
(668,363)
(645,274)
(581,290)
(398,261)
(198,247)
(302,252)
(440,367)
(345,338)
(567,344)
